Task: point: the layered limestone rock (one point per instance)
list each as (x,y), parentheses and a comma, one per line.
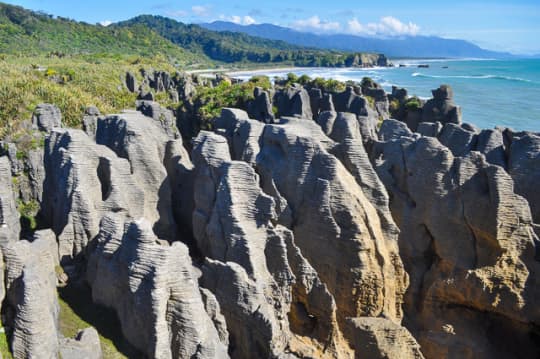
(10,226)
(46,117)
(315,196)
(153,289)
(286,308)
(468,244)
(85,345)
(293,101)
(143,143)
(379,338)
(83,182)
(441,108)
(31,299)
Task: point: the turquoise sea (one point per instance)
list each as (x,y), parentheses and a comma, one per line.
(490,92)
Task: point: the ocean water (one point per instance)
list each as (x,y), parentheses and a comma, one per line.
(490,92)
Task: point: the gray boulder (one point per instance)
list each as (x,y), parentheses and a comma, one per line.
(524,167)
(85,345)
(131,82)
(441,107)
(459,140)
(46,117)
(261,107)
(429,129)
(393,129)
(294,102)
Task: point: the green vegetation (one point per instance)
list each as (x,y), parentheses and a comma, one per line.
(28,212)
(329,85)
(77,312)
(413,104)
(93,80)
(211,100)
(394,106)
(234,47)
(31,33)
(4,346)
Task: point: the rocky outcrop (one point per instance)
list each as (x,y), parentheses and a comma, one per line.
(152,287)
(10,226)
(293,101)
(380,338)
(315,196)
(85,345)
(249,257)
(468,244)
(442,108)
(260,108)
(143,143)
(32,302)
(83,182)
(46,117)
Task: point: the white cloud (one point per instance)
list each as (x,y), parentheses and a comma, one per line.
(387,26)
(105,22)
(241,20)
(315,24)
(201,10)
(177,13)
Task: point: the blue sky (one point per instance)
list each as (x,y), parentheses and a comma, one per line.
(496,25)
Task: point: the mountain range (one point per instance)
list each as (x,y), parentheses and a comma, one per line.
(395,47)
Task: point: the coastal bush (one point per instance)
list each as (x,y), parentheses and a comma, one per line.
(84,81)
(413,104)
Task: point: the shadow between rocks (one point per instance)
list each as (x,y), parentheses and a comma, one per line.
(104,320)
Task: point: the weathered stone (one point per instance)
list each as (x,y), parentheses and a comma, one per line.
(379,338)
(468,244)
(261,107)
(83,182)
(143,142)
(293,101)
(46,117)
(163,116)
(151,286)
(441,108)
(32,302)
(457,139)
(85,345)
(524,167)
(131,82)
(429,129)
(10,226)
(392,129)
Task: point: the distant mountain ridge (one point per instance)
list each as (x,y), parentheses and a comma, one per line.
(406,46)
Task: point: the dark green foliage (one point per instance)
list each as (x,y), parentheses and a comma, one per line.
(27,32)
(413,104)
(234,47)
